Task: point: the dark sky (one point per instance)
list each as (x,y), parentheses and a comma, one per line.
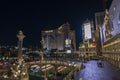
(32,17)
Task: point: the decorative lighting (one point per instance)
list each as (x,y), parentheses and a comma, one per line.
(69,64)
(24,73)
(74,65)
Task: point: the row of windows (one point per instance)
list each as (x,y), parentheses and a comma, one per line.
(87,49)
(112,56)
(112,48)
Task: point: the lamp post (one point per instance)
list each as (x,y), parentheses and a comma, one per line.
(56,66)
(42,58)
(41,54)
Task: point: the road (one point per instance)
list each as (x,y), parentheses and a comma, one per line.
(93,72)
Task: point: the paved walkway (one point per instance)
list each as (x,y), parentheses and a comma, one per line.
(93,72)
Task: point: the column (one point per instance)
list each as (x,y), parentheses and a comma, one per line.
(20,37)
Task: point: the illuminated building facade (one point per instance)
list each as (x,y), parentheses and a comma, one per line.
(99,19)
(61,38)
(111,34)
(88,45)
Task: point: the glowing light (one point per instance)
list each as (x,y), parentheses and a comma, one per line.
(74,65)
(15,75)
(60,27)
(68,51)
(69,64)
(18,71)
(82,46)
(24,73)
(49,31)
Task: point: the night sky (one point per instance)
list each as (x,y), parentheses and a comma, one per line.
(33,17)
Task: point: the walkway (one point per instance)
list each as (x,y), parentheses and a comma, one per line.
(93,72)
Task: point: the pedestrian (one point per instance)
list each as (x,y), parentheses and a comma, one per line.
(81,78)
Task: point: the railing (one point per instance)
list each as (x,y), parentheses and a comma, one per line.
(72,73)
(52,62)
(73,70)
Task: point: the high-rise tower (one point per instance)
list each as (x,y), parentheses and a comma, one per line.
(99,20)
(60,38)
(20,36)
(88,33)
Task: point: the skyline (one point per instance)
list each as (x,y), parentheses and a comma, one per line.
(33,17)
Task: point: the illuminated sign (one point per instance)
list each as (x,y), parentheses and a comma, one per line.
(68,51)
(87,30)
(93,44)
(67,42)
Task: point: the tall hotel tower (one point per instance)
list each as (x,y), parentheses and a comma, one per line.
(88,33)
(61,38)
(88,46)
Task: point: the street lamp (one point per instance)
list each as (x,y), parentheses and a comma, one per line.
(42,58)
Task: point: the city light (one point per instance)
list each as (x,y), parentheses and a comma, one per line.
(87,28)
(59,50)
